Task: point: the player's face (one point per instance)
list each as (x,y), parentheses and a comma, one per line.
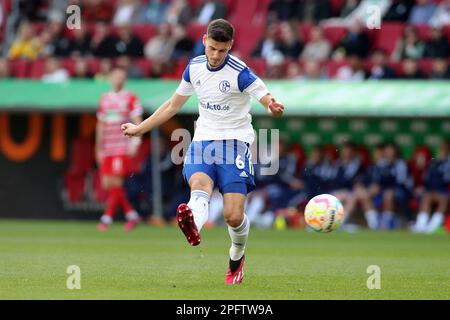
(118,78)
(215,51)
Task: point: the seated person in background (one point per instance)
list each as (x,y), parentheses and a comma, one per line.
(317,48)
(54,72)
(437,192)
(380,69)
(411,71)
(437,46)
(365,189)
(440,69)
(422,12)
(348,170)
(393,187)
(409,46)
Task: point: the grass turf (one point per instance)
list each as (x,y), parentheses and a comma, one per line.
(157,263)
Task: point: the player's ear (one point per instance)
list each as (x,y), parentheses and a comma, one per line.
(204,39)
(231,44)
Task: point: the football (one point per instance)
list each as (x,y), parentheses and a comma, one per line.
(324,213)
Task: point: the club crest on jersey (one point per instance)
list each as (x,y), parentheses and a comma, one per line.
(224,86)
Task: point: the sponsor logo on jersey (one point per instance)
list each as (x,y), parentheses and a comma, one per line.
(243,174)
(215,107)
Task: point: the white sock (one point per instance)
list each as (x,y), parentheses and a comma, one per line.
(421,221)
(132,215)
(239,236)
(435,222)
(372,219)
(215,207)
(106,219)
(255,208)
(199,204)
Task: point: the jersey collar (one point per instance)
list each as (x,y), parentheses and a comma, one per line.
(219,67)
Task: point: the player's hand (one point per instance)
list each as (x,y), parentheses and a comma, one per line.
(276,108)
(130,130)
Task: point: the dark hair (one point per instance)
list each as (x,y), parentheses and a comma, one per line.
(220,30)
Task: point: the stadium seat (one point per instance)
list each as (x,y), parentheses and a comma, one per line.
(386,38)
(299,152)
(69,65)
(195,31)
(422,31)
(426,66)
(333,66)
(331,152)
(19,68)
(257,65)
(336,6)
(144,65)
(334,34)
(304,30)
(364,155)
(37,69)
(144,31)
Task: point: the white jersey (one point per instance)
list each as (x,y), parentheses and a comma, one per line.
(224,95)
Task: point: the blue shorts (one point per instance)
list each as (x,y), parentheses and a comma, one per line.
(226,162)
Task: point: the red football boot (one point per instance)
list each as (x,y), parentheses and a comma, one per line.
(102,227)
(185,220)
(131,224)
(236,276)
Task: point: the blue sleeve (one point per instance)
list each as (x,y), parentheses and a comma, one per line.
(186,74)
(246,77)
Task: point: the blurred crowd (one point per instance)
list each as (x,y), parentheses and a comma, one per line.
(297,39)
(379,188)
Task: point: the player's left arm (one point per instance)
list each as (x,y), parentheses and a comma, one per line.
(274,107)
(254,86)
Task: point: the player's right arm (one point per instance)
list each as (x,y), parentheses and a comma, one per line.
(166,111)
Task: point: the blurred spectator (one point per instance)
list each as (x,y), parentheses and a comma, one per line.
(358,10)
(313,173)
(54,72)
(282,10)
(441,16)
(155,12)
(26,46)
(312,11)
(349,7)
(409,46)
(179,12)
(436,196)
(59,45)
(313,71)
(127,12)
(81,69)
(394,187)
(422,12)
(103,43)
(4,68)
(317,48)
(440,70)
(160,47)
(96,11)
(290,41)
(268,44)
(45,40)
(293,72)
(399,10)
(129,44)
(104,70)
(81,42)
(353,71)
(275,65)
(348,171)
(355,42)
(183,44)
(133,71)
(211,10)
(32,10)
(437,45)
(411,71)
(380,69)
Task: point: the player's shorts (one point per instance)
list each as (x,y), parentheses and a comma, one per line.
(116,166)
(226,162)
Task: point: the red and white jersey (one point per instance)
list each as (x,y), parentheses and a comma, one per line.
(116,108)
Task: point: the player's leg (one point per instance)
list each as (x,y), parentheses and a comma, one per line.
(362,196)
(424,213)
(238,229)
(437,219)
(387,217)
(112,203)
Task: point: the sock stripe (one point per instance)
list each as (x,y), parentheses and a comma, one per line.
(243,225)
(200,194)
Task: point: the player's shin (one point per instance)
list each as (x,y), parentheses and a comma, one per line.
(199,204)
(239,236)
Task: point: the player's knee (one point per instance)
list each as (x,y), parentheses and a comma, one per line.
(233,218)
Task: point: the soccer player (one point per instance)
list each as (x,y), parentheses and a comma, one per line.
(219,153)
(113,150)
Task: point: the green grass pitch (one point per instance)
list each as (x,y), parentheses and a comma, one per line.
(157,263)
